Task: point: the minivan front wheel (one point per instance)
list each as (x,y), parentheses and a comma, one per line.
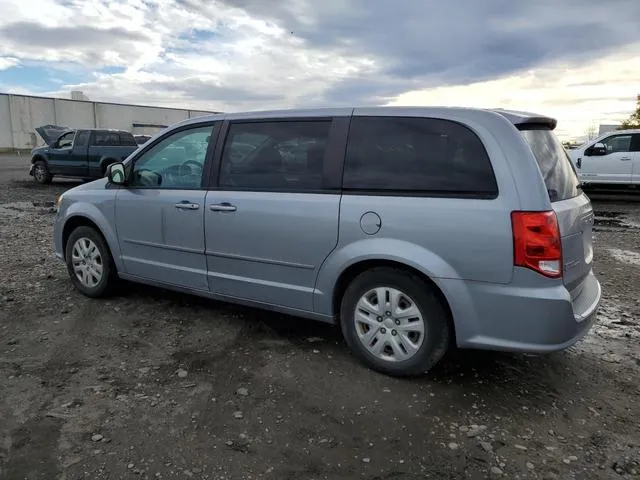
(89,262)
(392,320)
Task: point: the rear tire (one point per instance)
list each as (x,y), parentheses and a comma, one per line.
(394,322)
(89,263)
(41,172)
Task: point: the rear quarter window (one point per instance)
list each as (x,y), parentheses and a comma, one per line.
(128,140)
(422,156)
(555,166)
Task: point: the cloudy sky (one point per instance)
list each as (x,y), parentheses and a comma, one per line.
(578,60)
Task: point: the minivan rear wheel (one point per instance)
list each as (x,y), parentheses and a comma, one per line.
(394,322)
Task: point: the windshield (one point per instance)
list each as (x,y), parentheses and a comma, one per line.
(554,163)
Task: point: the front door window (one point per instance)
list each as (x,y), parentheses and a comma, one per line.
(177,162)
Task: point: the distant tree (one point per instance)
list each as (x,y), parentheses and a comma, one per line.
(592,131)
(634,119)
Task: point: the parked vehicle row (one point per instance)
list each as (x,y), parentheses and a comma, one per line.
(411,228)
(611,159)
(78,153)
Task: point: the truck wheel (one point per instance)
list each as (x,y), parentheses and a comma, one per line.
(41,172)
(394,322)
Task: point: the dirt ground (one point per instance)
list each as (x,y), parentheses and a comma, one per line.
(152,384)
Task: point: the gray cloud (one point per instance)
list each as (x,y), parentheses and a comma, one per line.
(204,90)
(457,41)
(64,37)
(79,42)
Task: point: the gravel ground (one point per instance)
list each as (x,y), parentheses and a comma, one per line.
(153,384)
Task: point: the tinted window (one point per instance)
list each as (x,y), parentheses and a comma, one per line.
(635,143)
(420,155)
(275,155)
(556,168)
(175,162)
(617,143)
(127,139)
(106,139)
(82,139)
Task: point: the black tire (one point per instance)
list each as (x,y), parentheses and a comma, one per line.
(41,172)
(436,340)
(106,284)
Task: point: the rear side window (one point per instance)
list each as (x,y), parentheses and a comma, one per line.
(126,139)
(107,139)
(82,139)
(275,155)
(104,139)
(417,155)
(557,170)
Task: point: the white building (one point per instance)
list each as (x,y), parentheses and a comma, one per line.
(21,114)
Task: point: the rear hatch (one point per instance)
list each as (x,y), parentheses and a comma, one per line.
(573,208)
(50,133)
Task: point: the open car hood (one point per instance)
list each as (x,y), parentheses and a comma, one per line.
(51,133)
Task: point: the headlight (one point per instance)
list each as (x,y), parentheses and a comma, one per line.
(59,201)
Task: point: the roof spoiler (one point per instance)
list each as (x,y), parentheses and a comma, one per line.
(527,121)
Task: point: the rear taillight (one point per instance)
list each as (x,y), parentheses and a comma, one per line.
(536,242)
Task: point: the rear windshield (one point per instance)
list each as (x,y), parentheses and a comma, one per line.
(554,163)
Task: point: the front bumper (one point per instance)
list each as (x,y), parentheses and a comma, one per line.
(31,170)
(532,317)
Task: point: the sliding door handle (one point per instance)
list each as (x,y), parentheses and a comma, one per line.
(222,207)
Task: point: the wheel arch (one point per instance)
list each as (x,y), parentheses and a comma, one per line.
(38,157)
(79,219)
(355,269)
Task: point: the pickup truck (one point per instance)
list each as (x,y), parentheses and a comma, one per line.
(611,159)
(78,153)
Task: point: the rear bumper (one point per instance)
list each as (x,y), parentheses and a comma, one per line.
(528,318)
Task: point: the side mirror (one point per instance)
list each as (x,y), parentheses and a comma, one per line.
(116,173)
(597,150)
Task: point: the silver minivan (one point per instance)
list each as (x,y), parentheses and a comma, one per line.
(411,228)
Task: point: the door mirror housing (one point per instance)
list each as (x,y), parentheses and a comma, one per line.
(597,150)
(116,174)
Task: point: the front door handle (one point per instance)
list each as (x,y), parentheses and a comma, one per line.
(222,207)
(625,159)
(186,205)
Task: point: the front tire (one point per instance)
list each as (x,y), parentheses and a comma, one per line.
(41,172)
(89,263)
(393,322)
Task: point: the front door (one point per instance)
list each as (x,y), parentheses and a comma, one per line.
(615,166)
(271,222)
(60,155)
(160,214)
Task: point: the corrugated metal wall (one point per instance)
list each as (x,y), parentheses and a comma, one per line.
(21,114)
